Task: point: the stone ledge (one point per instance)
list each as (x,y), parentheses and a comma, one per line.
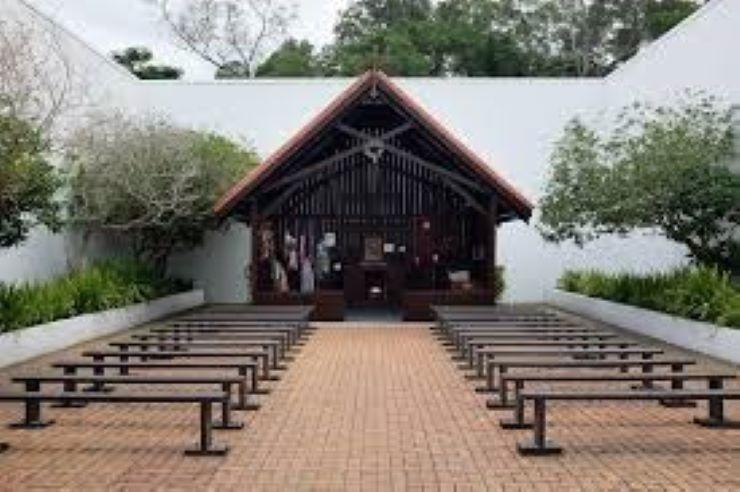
(713,340)
(37,340)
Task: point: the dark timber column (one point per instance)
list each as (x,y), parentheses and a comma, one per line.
(491,239)
(254,262)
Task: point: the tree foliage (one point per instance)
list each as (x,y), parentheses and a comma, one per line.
(28,183)
(138,61)
(293,59)
(38,84)
(484,37)
(661,168)
(231,35)
(151,181)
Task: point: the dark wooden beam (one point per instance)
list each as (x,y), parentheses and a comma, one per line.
(412,157)
(469,199)
(492,225)
(317,167)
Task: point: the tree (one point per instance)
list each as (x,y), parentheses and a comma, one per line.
(28,182)
(586,38)
(662,16)
(37,82)
(232,35)
(293,59)
(37,87)
(151,181)
(393,35)
(468,44)
(661,168)
(138,61)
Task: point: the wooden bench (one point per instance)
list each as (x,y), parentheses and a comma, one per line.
(476,343)
(540,445)
(459,336)
(463,339)
(33,382)
(33,419)
(676,365)
(675,378)
(291,332)
(279,337)
(490,353)
(272,346)
(244,369)
(517,336)
(125,355)
(285,343)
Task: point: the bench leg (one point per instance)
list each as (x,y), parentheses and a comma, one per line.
(69,387)
(206,447)
(677,385)
(244,403)
(265,362)
(226,423)
(539,445)
(256,382)
(275,350)
(4,446)
(32,418)
(98,371)
(517,421)
(716,410)
(503,396)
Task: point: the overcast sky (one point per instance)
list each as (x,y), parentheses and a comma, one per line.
(113,24)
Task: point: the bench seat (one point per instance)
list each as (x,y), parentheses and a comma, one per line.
(33,420)
(244,369)
(715,381)
(676,365)
(540,445)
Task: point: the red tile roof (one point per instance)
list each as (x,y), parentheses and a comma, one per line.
(241,190)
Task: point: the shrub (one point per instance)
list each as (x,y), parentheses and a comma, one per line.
(500,284)
(700,293)
(104,285)
(151,181)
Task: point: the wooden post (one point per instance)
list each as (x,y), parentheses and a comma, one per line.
(491,239)
(254,223)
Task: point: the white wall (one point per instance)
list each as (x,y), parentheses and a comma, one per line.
(512,123)
(220,266)
(700,53)
(96,84)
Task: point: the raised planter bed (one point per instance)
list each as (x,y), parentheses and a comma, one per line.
(37,340)
(709,339)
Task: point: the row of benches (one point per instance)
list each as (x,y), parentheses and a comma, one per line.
(252,341)
(492,342)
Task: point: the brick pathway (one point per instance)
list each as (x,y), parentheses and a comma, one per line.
(371,408)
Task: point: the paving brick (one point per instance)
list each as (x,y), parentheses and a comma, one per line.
(368,407)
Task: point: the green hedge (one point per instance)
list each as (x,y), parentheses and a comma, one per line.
(104,285)
(700,293)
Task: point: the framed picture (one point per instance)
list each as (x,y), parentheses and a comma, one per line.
(373,248)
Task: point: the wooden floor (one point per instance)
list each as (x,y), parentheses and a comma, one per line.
(370,408)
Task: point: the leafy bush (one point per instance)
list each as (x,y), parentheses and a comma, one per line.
(105,285)
(500,284)
(151,181)
(700,293)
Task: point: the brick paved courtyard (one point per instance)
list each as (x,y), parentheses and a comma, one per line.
(370,408)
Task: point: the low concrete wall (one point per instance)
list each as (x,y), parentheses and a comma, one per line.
(37,340)
(713,340)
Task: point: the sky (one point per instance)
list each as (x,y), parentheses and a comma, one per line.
(109,25)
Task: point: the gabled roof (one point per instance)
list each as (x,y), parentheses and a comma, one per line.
(241,190)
